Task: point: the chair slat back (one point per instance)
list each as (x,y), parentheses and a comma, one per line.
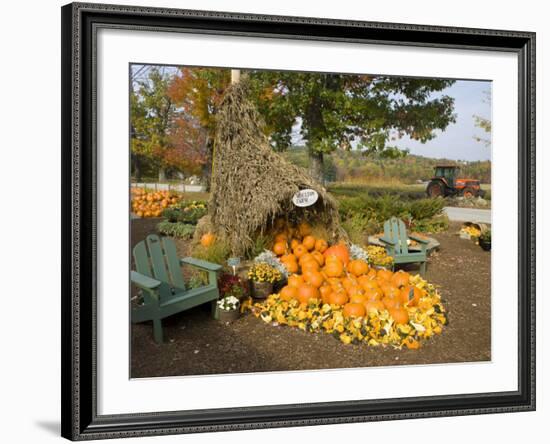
(174,267)
(157,258)
(395,230)
(141,258)
(403,238)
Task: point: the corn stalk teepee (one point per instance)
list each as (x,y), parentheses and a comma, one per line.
(251,184)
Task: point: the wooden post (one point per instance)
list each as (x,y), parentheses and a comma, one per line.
(235,76)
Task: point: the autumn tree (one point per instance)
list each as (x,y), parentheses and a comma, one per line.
(164,135)
(197,92)
(341,111)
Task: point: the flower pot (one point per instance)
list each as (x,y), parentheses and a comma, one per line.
(485,245)
(227,315)
(260,290)
(278,285)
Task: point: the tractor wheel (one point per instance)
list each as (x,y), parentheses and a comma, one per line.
(435,189)
(468,193)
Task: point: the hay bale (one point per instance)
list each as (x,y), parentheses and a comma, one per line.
(251,184)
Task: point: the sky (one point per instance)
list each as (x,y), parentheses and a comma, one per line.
(457,141)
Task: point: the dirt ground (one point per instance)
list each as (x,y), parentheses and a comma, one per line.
(196,344)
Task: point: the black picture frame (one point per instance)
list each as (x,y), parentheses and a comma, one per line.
(79,396)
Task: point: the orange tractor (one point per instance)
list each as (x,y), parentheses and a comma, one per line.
(445,183)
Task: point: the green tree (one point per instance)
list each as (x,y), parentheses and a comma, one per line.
(152,116)
(341,111)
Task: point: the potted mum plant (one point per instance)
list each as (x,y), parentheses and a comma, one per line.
(485,240)
(227,309)
(262,276)
(232,290)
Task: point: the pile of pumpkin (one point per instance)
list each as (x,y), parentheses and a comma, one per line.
(149,203)
(328,291)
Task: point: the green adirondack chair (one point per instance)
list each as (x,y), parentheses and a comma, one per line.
(395,240)
(159,277)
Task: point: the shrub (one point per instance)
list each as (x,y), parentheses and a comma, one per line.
(359,227)
(176,229)
(216,253)
(435,224)
(426,208)
(366,214)
(187,212)
(198,279)
(261,243)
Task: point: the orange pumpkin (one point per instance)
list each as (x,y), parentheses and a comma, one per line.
(359,298)
(390,290)
(338,298)
(318,257)
(348,282)
(299,251)
(401,278)
(373,294)
(287,257)
(280,248)
(321,245)
(334,282)
(355,289)
(314,278)
(310,265)
(295,280)
(358,267)
(354,309)
(410,295)
(304,229)
(399,315)
(340,251)
(412,343)
(307,292)
(281,237)
(391,303)
(288,292)
(291,266)
(207,239)
(294,243)
(334,267)
(384,274)
(306,257)
(325,291)
(374,305)
(309,242)
(366,282)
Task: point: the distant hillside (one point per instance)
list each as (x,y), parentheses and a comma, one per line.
(353,166)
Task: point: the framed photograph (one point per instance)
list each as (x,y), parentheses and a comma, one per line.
(278,221)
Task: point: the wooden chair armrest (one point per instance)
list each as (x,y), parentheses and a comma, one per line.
(198,263)
(419,239)
(387,241)
(143,281)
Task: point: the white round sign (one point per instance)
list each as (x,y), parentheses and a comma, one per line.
(305,198)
